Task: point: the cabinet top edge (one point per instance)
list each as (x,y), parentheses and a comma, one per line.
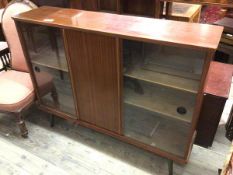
(127,27)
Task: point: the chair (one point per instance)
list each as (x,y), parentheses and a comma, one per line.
(16,88)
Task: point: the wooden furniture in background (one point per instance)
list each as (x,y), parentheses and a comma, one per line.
(216,92)
(223,3)
(144,97)
(129,7)
(57,3)
(185,12)
(3,3)
(226,44)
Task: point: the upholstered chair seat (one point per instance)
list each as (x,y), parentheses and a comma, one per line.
(16,91)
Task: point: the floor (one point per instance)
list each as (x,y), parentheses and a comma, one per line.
(71,149)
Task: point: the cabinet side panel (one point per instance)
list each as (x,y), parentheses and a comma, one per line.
(95,65)
(210,116)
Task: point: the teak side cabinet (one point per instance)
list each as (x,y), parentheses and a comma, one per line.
(137,79)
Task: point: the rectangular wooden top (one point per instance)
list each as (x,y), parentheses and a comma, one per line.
(128,27)
(219,78)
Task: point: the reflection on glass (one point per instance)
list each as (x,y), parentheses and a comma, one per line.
(160,88)
(46,51)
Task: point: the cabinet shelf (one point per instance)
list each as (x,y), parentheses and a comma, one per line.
(49,59)
(184,63)
(167,80)
(163,101)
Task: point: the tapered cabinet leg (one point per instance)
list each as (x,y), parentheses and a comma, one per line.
(22,125)
(54,95)
(170,167)
(52,121)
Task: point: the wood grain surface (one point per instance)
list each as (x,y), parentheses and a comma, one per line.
(128,27)
(95,65)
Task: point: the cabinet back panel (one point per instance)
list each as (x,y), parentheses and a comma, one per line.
(94,66)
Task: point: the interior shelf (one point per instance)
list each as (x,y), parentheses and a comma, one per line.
(160,100)
(167,80)
(164,66)
(166,134)
(47,48)
(184,63)
(51,63)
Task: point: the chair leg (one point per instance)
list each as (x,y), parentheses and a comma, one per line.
(22,126)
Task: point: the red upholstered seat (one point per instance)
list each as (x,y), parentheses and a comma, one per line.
(16,91)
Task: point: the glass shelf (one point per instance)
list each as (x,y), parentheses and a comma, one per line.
(167,80)
(160,100)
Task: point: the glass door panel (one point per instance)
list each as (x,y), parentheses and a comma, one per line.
(160,88)
(46,51)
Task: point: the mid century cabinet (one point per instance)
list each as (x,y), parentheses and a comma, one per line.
(137,79)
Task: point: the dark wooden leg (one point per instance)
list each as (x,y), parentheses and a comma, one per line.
(170,167)
(54,95)
(22,126)
(52,121)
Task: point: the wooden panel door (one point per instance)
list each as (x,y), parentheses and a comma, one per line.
(95,68)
